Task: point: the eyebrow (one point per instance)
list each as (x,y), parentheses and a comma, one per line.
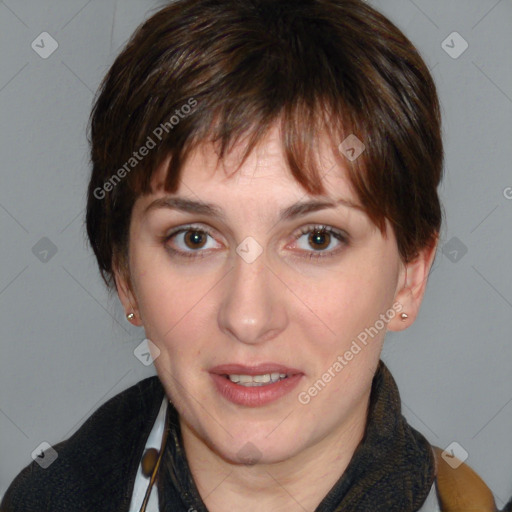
(211,210)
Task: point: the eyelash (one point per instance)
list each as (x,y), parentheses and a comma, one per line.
(340,236)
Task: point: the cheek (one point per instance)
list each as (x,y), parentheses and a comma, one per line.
(171,306)
(154,289)
(349,300)
(173,303)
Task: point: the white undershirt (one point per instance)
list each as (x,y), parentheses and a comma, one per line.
(142,481)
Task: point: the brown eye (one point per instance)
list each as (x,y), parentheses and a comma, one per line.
(190,242)
(321,239)
(195,239)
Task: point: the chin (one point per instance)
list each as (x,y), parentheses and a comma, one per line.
(263,449)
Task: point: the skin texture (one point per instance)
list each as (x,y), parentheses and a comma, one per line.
(283,307)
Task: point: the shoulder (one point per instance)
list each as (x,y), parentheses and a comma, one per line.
(95,462)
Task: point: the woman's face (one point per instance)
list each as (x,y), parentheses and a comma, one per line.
(248,290)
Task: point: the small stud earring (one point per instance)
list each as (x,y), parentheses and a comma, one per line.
(130,317)
(404,316)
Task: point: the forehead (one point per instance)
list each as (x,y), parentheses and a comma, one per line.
(265,168)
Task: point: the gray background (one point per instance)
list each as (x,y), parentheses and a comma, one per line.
(66,347)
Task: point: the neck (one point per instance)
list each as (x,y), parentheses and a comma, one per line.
(295,484)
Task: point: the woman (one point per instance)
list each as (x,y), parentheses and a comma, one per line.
(264,200)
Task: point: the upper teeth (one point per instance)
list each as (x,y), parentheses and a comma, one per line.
(256,380)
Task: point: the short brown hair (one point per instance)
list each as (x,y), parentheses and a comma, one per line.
(316,66)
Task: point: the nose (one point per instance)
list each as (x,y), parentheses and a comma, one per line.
(253,307)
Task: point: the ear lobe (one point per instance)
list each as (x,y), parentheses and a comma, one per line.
(126,295)
(411,293)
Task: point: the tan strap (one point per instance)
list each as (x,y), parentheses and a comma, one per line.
(460,489)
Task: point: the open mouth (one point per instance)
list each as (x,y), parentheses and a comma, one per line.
(256,380)
(254,385)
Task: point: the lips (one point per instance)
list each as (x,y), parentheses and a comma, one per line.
(233,382)
(259,369)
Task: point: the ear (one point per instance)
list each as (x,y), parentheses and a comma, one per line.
(125,291)
(412,286)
